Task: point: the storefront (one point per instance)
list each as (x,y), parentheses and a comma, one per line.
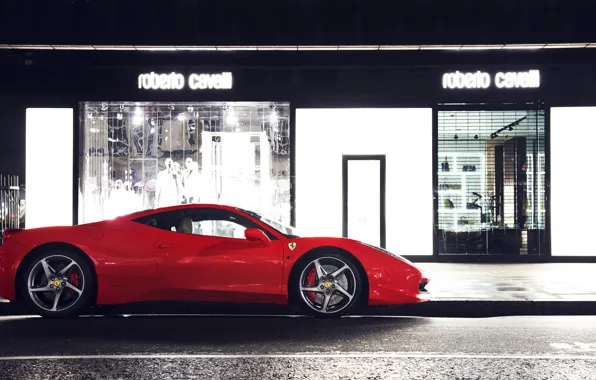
(428,160)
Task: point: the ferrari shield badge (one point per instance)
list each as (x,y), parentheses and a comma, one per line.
(292,246)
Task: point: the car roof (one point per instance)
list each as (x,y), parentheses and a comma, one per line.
(148,212)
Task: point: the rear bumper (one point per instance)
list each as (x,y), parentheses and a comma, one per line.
(11,255)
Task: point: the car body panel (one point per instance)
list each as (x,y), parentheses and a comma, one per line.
(136,262)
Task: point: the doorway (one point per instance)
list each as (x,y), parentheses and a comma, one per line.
(363,187)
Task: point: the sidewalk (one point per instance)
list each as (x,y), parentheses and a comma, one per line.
(511,282)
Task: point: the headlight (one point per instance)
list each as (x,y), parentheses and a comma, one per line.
(390,254)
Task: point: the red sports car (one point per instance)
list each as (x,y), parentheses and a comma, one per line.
(208,253)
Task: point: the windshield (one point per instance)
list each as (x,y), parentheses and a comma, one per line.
(279,227)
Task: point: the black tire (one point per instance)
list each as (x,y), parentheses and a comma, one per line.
(31,272)
(308,305)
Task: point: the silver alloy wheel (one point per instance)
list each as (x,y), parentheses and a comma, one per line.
(334,285)
(50,283)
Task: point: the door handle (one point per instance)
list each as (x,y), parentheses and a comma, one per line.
(162,246)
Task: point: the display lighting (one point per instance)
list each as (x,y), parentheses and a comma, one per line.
(273,117)
(49,177)
(231,118)
(569,45)
(138,116)
(572,136)
(326,135)
(119,116)
(181,116)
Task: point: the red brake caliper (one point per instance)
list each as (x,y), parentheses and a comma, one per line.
(74,280)
(311,280)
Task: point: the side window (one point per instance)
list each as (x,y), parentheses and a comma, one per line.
(203,221)
(168,221)
(222,223)
(220,228)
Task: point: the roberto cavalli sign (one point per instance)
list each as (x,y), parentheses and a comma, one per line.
(177,81)
(481,80)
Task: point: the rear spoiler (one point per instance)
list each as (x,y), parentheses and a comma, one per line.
(7,233)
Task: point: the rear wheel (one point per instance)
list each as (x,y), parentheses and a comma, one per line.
(57,284)
(328,285)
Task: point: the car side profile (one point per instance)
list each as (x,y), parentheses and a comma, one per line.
(198,252)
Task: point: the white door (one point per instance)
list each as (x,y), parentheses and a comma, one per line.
(364,203)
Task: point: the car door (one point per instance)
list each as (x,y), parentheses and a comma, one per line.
(215,262)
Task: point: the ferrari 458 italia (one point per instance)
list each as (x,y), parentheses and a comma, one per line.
(205,253)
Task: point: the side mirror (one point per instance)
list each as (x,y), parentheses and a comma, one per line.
(254,234)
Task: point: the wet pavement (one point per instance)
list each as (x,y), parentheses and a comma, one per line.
(511,282)
(272,347)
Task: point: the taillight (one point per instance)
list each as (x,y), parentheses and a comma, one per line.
(10,232)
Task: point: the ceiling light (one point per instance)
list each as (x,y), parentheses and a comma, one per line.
(524,46)
(231,119)
(567,46)
(441,47)
(137,119)
(273,117)
(399,47)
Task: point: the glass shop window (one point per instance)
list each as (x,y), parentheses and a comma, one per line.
(144,155)
(491,182)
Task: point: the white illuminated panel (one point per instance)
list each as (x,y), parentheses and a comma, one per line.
(49,167)
(364,198)
(405,136)
(573,132)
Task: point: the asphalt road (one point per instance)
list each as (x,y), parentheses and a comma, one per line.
(218,347)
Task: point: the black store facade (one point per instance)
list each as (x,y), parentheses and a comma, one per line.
(432,155)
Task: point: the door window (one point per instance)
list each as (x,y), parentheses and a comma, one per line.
(203,221)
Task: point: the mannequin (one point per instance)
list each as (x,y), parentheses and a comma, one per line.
(167,190)
(179,181)
(192,181)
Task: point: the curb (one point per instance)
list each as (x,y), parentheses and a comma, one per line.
(444,308)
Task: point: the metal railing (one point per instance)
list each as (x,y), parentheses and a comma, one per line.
(10,203)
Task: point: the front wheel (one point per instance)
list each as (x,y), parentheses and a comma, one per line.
(57,284)
(328,285)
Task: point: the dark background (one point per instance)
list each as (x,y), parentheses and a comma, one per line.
(287,22)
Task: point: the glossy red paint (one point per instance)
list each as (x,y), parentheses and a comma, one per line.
(135,262)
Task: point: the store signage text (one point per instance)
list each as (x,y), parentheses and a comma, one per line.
(480,80)
(176,81)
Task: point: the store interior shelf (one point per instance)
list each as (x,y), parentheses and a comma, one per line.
(462,177)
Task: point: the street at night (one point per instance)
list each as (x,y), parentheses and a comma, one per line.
(220,347)
(354,190)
